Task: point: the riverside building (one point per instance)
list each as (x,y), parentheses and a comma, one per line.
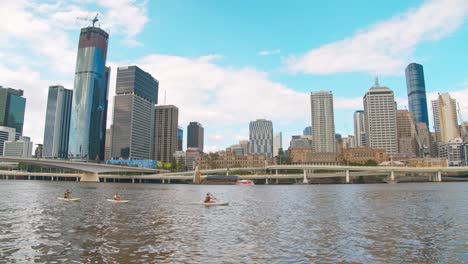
(416,90)
(166,118)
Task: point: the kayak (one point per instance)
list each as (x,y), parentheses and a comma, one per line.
(212,204)
(69,199)
(118,201)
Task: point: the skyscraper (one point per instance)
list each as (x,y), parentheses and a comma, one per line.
(12,106)
(166,118)
(445,118)
(261,137)
(277,143)
(180,139)
(359,128)
(416,90)
(307,131)
(323,124)
(132,128)
(57,122)
(195,134)
(89,107)
(380,116)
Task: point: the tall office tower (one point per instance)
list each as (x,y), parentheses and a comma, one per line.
(323,124)
(57,122)
(261,137)
(416,90)
(195,135)
(166,118)
(6,134)
(359,128)
(406,133)
(89,107)
(136,93)
(445,118)
(12,106)
(380,116)
(307,131)
(277,143)
(180,139)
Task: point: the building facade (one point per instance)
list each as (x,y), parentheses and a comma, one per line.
(364,154)
(261,137)
(12,107)
(6,134)
(406,133)
(359,128)
(445,118)
(57,122)
(307,131)
(380,116)
(416,90)
(231,160)
(21,148)
(108,146)
(452,151)
(323,124)
(195,135)
(166,118)
(132,131)
(89,107)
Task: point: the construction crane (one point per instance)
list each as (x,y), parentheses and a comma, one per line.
(94,20)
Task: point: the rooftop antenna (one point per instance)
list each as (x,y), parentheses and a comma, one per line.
(376,84)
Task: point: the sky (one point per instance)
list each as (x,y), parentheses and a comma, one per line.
(226,63)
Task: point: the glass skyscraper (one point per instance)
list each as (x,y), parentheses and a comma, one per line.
(12,106)
(261,137)
(89,107)
(416,90)
(195,135)
(57,122)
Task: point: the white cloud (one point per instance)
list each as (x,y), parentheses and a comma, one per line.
(385,47)
(269,52)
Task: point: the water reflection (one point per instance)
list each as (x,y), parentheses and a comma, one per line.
(415,223)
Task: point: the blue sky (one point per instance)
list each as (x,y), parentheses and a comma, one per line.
(225,63)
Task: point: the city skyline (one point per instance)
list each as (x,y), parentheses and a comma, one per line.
(260,67)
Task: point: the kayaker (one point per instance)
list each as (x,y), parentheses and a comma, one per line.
(67,194)
(116,196)
(209,198)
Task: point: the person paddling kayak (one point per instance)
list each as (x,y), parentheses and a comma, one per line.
(67,194)
(209,198)
(117,197)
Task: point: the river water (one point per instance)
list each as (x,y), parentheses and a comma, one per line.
(373,223)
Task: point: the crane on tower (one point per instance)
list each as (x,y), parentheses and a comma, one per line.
(94,20)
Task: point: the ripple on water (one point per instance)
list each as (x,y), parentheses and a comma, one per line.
(417,223)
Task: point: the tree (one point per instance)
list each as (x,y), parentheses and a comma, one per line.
(371,163)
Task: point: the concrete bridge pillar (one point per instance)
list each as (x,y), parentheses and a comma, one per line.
(78,179)
(163,181)
(439,176)
(277,180)
(276,172)
(89,177)
(266,181)
(392,176)
(133,180)
(29,177)
(347,176)
(305,180)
